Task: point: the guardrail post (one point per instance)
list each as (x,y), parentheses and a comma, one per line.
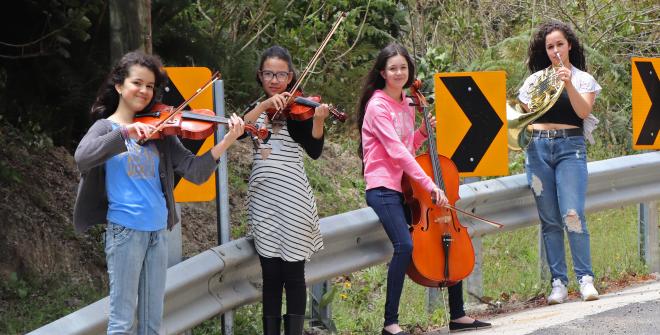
(544,269)
(222,192)
(174,241)
(649,250)
(321,316)
(475,282)
(433,300)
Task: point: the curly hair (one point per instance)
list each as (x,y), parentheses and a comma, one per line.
(374,81)
(107,98)
(537,55)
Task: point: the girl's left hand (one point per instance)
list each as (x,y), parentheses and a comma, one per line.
(431,121)
(321,112)
(236,127)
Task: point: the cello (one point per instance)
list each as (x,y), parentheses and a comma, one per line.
(442,248)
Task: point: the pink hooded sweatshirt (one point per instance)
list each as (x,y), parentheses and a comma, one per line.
(389,141)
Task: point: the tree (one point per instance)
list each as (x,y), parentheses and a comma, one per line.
(130,27)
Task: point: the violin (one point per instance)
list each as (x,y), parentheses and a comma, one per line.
(302,108)
(196,124)
(442,248)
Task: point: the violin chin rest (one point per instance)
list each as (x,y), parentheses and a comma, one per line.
(267,137)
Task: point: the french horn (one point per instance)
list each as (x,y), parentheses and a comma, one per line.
(543,94)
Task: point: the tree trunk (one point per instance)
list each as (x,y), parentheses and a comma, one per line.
(130,27)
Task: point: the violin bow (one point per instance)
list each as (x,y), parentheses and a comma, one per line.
(314,59)
(216,76)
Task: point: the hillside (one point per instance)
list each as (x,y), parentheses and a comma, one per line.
(44,262)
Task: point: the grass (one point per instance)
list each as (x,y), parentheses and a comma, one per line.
(511,259)
(510,271)
(27,305)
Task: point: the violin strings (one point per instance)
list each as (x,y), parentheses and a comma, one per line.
(183,105)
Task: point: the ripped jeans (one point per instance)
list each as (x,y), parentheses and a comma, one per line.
(557,174)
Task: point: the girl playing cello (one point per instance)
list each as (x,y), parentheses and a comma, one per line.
(388,141)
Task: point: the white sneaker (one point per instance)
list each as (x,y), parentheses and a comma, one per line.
(587,288)
(559,292)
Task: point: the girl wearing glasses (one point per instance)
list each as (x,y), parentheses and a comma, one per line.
(282,212)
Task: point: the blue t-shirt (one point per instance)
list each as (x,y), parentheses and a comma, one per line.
(135,195)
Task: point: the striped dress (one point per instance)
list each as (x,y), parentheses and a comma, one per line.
(282,212)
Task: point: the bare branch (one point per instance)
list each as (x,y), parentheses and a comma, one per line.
(32,55)
(38,39)
(364,19)
(609,30)
(201,11)
(570,17)
(607,5)
(255,36)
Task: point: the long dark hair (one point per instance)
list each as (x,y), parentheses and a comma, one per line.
(374,81)
(278,52)
(538,57)
(107,98)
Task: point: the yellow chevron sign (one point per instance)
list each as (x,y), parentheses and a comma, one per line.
(184,82)
(471,121)
(645,103)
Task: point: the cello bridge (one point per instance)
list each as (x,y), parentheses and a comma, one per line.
(443,219)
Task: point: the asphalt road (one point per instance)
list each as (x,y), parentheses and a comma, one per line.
(637,318)
(635,310)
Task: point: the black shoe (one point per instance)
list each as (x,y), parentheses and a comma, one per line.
(272,325)
(385,332)
(293,324)
(455,327)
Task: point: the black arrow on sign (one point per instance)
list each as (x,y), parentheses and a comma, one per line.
(173,97)
(485,122)
(652,123)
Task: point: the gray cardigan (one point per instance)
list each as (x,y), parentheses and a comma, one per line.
(101,143)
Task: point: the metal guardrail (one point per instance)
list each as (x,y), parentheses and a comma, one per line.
(228,276)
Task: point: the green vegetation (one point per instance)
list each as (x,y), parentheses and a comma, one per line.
(46,88)
(511,274)
(29,303)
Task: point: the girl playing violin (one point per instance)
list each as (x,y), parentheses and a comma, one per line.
(388,141)
(282,210)
(131,188)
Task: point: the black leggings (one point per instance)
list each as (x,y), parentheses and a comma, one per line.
(455,294)
(277,274)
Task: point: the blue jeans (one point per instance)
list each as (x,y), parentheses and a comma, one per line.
(557,174)
(390,209)
(137,266)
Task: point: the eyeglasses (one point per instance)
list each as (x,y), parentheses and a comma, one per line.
(268,75)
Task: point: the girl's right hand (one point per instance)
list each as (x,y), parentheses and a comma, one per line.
(139,130)
(438,196)
(277,101)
